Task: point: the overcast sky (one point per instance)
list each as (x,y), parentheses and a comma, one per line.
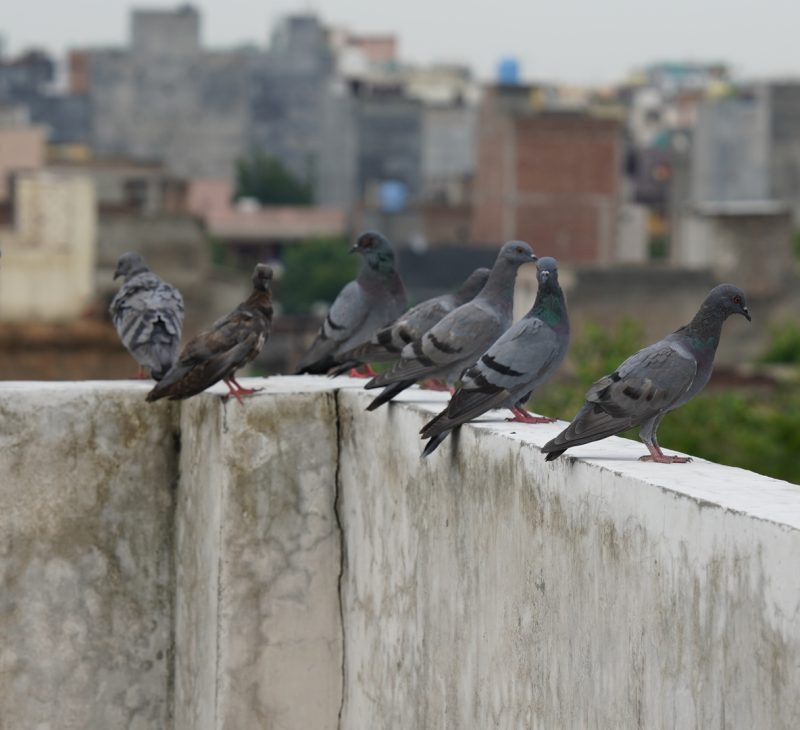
(576,41)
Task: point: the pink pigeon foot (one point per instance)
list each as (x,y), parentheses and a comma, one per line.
(364,371)
(659,457)
(522,416)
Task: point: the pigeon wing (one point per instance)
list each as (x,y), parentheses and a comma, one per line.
(646,384)
(517,362)
(346,315)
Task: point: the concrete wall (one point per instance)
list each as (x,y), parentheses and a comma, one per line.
(293,564)
(47,273)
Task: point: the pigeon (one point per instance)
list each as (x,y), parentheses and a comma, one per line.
(218,352)
(525,356)
(458,340)
(654,381)
(371,301)
(387,343)
(148,316)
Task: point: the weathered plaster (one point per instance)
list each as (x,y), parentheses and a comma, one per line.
(485,588)
(86,501)
(211,566)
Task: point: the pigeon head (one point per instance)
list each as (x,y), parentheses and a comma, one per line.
(262,277)
(547,275)
(728,299)
(517,253)
(376,250)
(129,264)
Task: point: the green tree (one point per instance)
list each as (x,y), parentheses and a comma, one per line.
(265,179)
(315,270)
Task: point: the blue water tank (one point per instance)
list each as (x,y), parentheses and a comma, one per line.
(508,71)
(393,196)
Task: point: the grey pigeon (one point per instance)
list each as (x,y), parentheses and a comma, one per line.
(371,301)
(525,356)
(460,338)
(654,381)
(387,343)
(218,352)
(148,315)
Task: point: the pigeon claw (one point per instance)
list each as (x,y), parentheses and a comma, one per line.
(364,371)
(522,416)
(665,459)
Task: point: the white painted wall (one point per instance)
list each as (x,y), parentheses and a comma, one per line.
(179,566)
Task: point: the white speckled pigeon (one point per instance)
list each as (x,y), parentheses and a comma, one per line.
(218,352)
(456,341)
(654,381)
(148,315)
(388,342)
(371,301)
(525,356)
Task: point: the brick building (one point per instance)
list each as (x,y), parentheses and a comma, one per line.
(552,179)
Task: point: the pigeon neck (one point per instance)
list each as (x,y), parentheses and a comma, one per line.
(550,307)
(705,329)
(260,300)
(500,285)
(379,263)
(132,274)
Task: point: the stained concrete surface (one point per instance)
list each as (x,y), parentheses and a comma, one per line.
(292,563)
(87,476)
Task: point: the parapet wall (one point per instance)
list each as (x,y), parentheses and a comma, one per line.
(294,564)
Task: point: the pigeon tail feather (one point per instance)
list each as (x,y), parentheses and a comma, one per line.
(388,393)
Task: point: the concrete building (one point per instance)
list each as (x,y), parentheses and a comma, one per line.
(287,88)
(731,150)
(372,136)
(28,82)
(48,264)
(166,98)
(21,148)
(552,179)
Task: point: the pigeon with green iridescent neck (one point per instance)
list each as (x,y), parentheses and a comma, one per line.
(388,342)
(654,381)
(521,360)
(371,301)
(457,341)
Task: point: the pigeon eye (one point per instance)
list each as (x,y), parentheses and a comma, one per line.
(519,249)
(737,299)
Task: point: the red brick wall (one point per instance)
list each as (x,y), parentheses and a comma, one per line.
(551,180)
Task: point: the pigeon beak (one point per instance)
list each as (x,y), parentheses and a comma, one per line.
(746,313)
(534,257)
(117,274)
(353,248)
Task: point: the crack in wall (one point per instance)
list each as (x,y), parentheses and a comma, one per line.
(337,496)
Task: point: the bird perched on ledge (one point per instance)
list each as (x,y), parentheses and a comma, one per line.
(459,339)
(654,381)
(218,352)
(148,315)
(523,358)
(387,343)
(372,300)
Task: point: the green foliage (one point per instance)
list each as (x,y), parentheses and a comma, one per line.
(784,346)
(659,247)
(748,429)
(265,179)
(315,270)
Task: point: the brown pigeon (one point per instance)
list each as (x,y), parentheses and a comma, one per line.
(218,352)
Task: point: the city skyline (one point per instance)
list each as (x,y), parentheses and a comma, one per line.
(583,44)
